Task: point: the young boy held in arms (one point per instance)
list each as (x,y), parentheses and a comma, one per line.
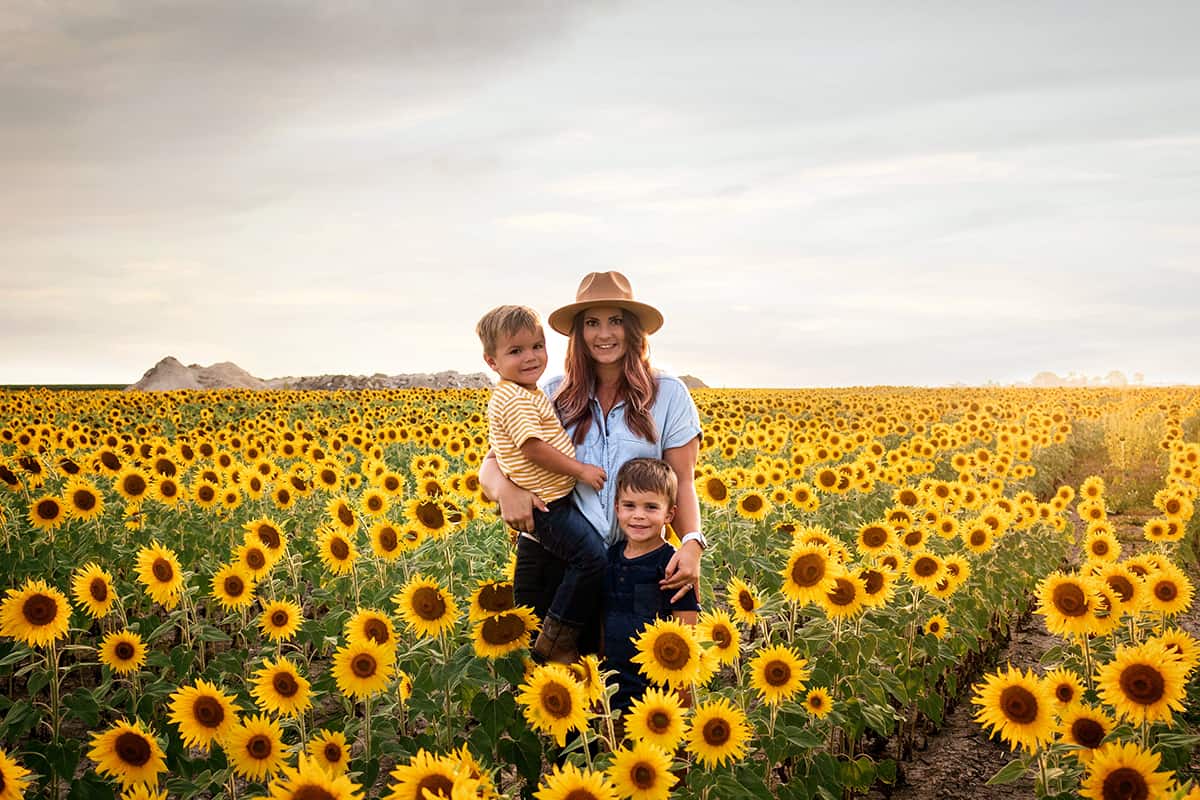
(534,452)
(645,504)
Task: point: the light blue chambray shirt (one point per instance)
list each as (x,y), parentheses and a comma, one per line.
(609,444)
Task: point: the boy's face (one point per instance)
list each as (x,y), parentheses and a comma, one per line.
(643,515)
(521,357)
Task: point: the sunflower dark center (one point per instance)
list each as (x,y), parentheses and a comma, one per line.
(110,460)
(133,749)
(913,537)
(134,484)
(1122,586)
(1019,704)
(777,673)
(168,489)
(40,609)
(722,636)
(1064,692)
(873,581)
(496,597)
(124,650)
(1125,783)
(843,593)
(48,509)
(717,732)
(428,604)
(388,540)
(816,701)
(752,503)
(234,586)
(377,631)
(430,515)
(435,786)
(345,515)
(208,711)
(1166,591)
(874,536)
(363,665)
(925,566)
(745,600)
(279,617)
(260,746)
(98,589)
(340,548)
(206,493)
(164,466)
(977,538)
(556,700)
(1087,732)
(809,570)
(83,499)
(580,794)
(502,629)
(716,489)
(1070,600)
(374,502)
(1100,547)
(268,536)
(391,483)
(162,569)
(659,721)
(312,791)
(643,776)
(1143,684)
(255,559)
(285,684)
(671,651)
(333,752)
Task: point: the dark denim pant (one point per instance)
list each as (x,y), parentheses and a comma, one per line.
(562,574)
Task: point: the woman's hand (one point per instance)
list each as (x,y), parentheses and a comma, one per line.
(683,571)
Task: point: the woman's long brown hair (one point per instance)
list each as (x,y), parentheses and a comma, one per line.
(637,386)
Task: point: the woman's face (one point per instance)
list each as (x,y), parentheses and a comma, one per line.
(604,333)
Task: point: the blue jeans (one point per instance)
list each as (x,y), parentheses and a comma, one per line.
(562,574)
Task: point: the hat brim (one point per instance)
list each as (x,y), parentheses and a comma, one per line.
(562,319)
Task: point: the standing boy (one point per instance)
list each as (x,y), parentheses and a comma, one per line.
(535,453)
(645,503)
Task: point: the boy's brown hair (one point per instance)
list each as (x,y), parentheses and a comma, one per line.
(505,321)
(648,475)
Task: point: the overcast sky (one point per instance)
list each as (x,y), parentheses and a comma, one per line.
(814,194)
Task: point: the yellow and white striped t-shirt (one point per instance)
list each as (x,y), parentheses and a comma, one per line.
(516,415)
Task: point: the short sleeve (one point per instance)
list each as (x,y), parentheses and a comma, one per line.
(681,421)
(518,415)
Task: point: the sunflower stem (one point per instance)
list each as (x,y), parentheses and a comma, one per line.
(1087,661)
(1041,762)
(367,728)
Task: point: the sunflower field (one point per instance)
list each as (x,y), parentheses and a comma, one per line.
(305,595)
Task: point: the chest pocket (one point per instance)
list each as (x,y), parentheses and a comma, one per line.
(647,600)
(635,446)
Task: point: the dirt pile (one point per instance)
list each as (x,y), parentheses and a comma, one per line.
(169,374)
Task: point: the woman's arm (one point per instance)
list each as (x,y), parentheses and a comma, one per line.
(683,571)
(516,504)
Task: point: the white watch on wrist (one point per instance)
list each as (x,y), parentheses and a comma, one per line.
(694,536)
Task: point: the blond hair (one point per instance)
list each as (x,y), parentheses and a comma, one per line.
(505,321)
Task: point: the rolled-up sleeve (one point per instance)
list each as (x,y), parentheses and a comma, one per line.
(681,421)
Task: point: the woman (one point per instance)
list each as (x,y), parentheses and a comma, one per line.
(615,408)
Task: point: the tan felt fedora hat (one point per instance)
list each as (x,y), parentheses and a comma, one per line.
(605,289)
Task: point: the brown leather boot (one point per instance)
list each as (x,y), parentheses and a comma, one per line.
(557,642)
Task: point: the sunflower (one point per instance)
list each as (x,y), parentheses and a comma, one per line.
(1143,683)
(203,713)
(808,574)
(132,484)
(718,734)
(668,653)
(752,505)
(658,718)
(280,620)
(1066,601)
(712,490)
(717,628)
(283,497)
(233,587)
(128,753)
(267,533)
(743,600)
(426,607)
(1168,591)
(279,688)
(428,516)
(1065,685)
(642,772)
(255,747)
(373,624)
(875,537)
(329,749)
(158,570)
(568,782)
(925,570)
(36,614)
(978,538)
(13,777)
(1016,705)
(554,702)
(337,550)
(1084,727)
(426,776)
(1124,771)
(1102,546)
(878,586)
(92,588)
(166,491)
(586,672)
(937,625)
(374,502)
(1130,590)
(818,702)
(845,598)
(47,512)
(83,501)
(778,673)
(342,515)
(310,781)
(255,560)
(490,597)
(1181,645)
(385,540)
(362,668)
(501,634)
(122,652)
